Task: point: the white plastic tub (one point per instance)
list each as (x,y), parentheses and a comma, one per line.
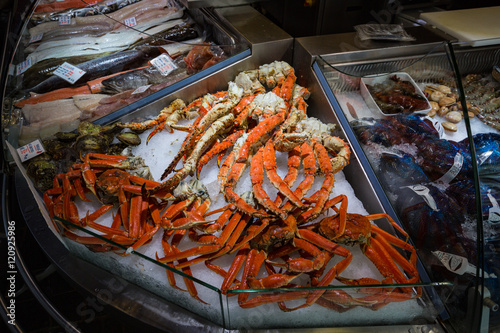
(380,79)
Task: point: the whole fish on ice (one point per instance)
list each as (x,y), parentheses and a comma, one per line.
(99,67)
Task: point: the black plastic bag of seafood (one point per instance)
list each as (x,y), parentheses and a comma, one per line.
(435,222)
(399,170)
(394,130)
(487,146)
(433,219)
(444,161)
(441,160)
(465,194)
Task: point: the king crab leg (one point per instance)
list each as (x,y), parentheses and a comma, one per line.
(164,114)
(252,143)
(321,196)
(172,249)
(223,244)
(271,167)
(257,177)
(217,149)
(219,126)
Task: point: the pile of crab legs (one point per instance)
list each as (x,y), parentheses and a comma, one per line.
(286,236)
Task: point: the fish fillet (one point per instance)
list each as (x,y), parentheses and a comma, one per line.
(120,15)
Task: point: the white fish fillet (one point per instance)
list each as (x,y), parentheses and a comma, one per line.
(48,118)
(135,10)
(88,102)
(49,112)
(176,49)
(110,42)
(110,36)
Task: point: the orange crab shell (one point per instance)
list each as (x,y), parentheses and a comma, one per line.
(357,230)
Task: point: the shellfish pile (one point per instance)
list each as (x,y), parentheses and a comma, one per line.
(275,238)
(482,93)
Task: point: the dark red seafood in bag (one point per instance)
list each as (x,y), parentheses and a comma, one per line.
(203,56)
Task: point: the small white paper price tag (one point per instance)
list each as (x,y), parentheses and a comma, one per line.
(164,64)
(437,126)
(30,150)
(22,67)
(69,72)
(141,89)
(36,38)
(130,22)
(64,20)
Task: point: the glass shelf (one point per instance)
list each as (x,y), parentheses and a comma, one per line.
(478,68)
(338,305)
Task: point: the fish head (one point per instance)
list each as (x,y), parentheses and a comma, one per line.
(123,82)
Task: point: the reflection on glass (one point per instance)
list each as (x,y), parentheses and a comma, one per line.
(423,162)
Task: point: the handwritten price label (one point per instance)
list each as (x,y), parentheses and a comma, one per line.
(69,72)
(141,89)
(30,150)
(36,38)
(64,20)
(164,64)
(130,22)
(22,67)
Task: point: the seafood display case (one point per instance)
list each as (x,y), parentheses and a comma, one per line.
(424,122)
(235,244)
(90,60)
(250,45)
(243,198)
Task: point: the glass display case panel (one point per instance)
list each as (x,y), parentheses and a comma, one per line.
(341,306)
(206,289)
(141,268)
(420,158)
(480,81)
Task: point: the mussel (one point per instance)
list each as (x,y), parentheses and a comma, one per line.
(42,171)
(129,138)
(91,143)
